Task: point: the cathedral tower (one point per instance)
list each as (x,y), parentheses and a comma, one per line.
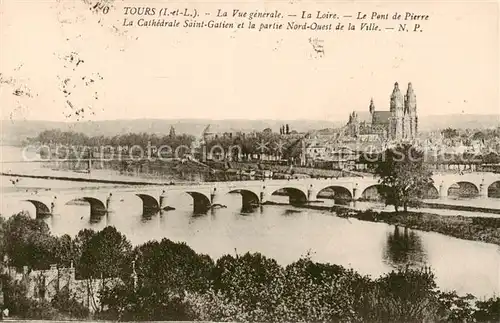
(397,113)
(353,124)
(411,112)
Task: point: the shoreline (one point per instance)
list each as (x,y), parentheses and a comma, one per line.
(480,229)
(80,179)
(456,207)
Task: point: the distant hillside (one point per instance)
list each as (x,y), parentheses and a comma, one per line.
(461,121)
(13,132)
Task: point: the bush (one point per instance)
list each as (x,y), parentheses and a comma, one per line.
(405,296)
(486,222)
(20,306)
(67,304)
(488,311)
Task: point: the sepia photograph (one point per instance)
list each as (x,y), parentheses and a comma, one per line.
(250,161)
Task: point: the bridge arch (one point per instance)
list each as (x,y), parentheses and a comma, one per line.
(41,209)
(335,192)
(248,197)
(494,189)
(149,203)
(371,193)
(431,192)
(201,202)
(295,195)
(97,207)
(463,189)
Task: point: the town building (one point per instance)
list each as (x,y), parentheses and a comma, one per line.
(45,284)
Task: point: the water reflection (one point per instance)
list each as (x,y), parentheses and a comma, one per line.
(148,216)
(96,217)
(404,247)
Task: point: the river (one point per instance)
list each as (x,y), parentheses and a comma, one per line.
(286,233)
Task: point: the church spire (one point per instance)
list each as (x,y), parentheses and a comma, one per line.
(397,100)
(410,99)
(372,106)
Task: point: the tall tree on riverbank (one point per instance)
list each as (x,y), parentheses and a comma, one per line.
(28,242)
(404,177)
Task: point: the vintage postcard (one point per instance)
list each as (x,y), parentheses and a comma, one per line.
(313,161)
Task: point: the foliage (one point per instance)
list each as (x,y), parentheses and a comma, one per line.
(251,282)
(405,296)
(28,242)
(170,281)
(76,139)
(67,304)
(172,266)
(404,177)
(449,133)
(103,254)
(19,305)
(488,310)
(491,158)
(454,308)
(280,145)
(165,272)
(123,302)
(322,292)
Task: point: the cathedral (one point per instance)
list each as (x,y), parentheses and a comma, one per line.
(399,123)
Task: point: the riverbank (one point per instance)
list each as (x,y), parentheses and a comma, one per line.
(483,229)
(80,179)
(467,228)
(457,207)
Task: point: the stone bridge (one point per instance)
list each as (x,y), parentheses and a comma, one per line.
(207,195)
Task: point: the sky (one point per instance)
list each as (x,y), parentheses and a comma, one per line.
(165,73)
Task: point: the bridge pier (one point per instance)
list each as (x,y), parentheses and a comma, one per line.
(216,198)
(55,207)
(163,200)
(443,191)
(356,192)
(483,190)
(311,194)
(264,195)
(110,204)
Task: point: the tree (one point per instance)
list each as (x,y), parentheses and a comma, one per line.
(251,282)
(488,310)
(287,131)
(103,253)
(267,131)
(64,251)
(449,133)
(404,177)
(408,295)
(66,303)
(165,272)
(478,135)
(28,242)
